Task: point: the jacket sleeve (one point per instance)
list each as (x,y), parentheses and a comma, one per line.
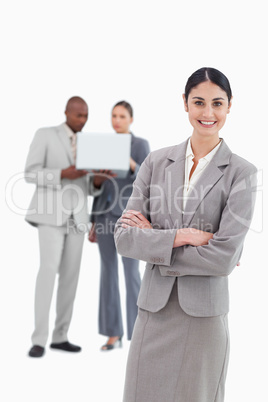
(150,245)
(92,190)
(35,169)
(144,150)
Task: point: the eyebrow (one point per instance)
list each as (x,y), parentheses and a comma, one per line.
(215,99)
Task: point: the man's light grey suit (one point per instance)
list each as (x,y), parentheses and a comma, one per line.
(54,199)
(59,210)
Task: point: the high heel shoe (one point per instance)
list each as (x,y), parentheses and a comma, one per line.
(110,346)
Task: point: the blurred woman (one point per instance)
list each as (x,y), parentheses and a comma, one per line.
(107,208)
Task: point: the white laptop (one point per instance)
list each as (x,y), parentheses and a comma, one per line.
(96,151)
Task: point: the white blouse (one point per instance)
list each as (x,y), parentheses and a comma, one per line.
(199,170)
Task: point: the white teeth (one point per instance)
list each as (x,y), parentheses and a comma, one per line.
(208,123)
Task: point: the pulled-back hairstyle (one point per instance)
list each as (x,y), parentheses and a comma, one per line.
(208,74)
(126,105)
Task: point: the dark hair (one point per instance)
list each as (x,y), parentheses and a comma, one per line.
(126,105)
(208,74)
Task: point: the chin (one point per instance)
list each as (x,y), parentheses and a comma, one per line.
(207,131)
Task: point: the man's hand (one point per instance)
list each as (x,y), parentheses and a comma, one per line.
(135,219)
(101,176)
(72,173)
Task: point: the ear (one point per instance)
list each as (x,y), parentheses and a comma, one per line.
(230,104)
(185,103)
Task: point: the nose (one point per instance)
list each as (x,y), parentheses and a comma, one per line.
(208,112)
(83,119)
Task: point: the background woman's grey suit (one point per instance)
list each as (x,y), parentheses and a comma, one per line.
(107,208)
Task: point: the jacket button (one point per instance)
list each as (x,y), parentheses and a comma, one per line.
(157,260)
(173,273)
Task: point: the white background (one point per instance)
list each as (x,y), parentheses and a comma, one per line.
(143,52)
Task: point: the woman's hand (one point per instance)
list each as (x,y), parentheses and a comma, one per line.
(192,237)
(135,219)
(132,164)
(102,175)
(92,236)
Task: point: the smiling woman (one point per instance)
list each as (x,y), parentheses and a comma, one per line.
(180,345)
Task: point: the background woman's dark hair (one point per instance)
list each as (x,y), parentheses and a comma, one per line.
(126,105)
(208,74)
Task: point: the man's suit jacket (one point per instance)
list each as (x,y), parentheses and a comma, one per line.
(221,202)
(116,191)
(54,199)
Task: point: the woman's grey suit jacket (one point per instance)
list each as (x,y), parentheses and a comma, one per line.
(221,202)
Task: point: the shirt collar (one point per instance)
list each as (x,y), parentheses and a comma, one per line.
(189,151)
(208,157)
(68,130)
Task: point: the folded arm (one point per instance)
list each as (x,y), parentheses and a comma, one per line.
(142,243)
(193,252)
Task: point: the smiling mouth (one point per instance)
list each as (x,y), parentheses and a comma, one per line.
(207,123)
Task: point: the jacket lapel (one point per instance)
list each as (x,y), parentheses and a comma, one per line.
(207,181)
(174,182)
(63,136)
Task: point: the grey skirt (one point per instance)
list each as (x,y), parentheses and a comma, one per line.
(175,357)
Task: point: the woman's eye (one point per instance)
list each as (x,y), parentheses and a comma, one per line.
(217,104)
(198,103)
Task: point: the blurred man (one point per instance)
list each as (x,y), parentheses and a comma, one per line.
(59,210)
